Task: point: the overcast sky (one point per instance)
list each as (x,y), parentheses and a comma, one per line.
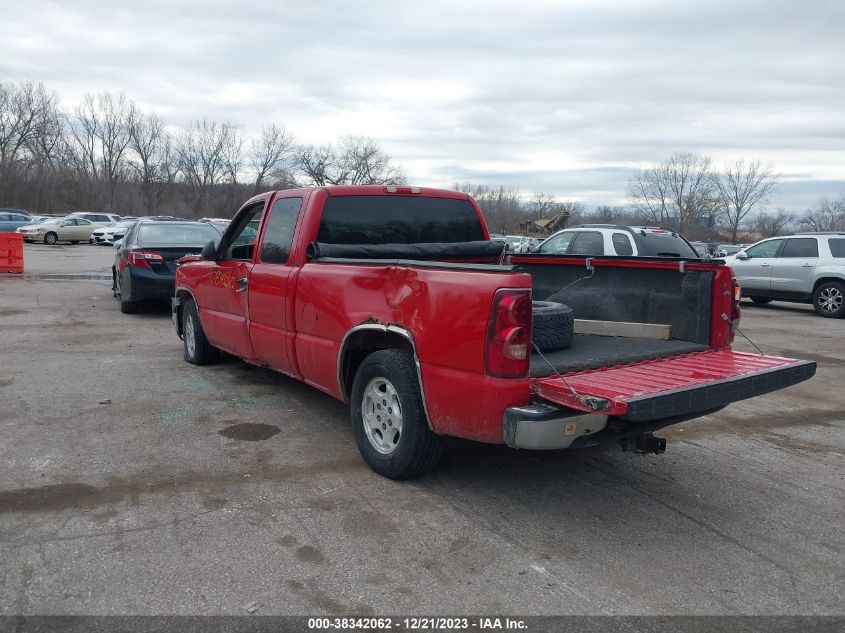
(564,97)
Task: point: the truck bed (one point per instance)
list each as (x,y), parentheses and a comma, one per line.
(589,351)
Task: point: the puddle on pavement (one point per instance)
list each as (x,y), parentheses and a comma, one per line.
(250,432)
(68,277)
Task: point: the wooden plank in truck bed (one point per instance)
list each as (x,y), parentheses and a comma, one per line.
(659,331)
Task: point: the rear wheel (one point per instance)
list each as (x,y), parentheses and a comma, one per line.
(51,238)
(761,299)
(126,307)
(829,299)
(198,351)
(388,417)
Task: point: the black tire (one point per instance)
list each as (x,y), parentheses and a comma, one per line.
(417,448)
(51,238)
(126,307)
(829,299)
(761,300)
(197,349)
(553,325)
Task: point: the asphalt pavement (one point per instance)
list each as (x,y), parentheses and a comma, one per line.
(134,483)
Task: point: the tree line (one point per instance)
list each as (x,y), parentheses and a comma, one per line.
(107,154)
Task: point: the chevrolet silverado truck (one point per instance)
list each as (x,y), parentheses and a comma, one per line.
(396,301)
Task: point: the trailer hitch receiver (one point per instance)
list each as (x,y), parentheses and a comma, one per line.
(644,444)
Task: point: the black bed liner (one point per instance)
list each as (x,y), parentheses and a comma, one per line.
(589,351)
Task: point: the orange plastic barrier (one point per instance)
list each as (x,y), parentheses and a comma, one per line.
(11,253)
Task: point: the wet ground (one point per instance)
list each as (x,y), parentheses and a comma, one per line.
(132,482)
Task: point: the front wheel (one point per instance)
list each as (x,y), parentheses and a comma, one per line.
(829,299)
(388,417)
(198,351)
(51,238)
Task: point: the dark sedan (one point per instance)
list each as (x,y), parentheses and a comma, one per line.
(145,263)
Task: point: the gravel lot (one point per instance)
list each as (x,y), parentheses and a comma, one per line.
(159,502)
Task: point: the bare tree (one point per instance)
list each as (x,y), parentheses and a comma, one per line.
(206,155)
(744,188)
(606,214)
(233,152)
(271,156)
(28,123)
(148,139)
(354,160)
(825,215)
(101,133)
(682,189)
(766,225)
(542,205)
(501,205)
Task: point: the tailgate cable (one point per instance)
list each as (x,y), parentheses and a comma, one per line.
(591,402)
(735,328)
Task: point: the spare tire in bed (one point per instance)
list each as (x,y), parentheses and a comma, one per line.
(553,327)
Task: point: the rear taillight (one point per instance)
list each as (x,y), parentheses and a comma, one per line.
(736,295)
(508,353)
(144,258)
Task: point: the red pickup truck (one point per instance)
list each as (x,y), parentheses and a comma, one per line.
(395,300)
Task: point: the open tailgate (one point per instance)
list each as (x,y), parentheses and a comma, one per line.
(667,387)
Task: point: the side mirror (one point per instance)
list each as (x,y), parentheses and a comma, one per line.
(209,251)
(742,255)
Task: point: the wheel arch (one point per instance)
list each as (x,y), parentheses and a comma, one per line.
(361,341)
(180,294)
(824,279)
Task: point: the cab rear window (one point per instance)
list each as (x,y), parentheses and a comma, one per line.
(657,243)
(398,220)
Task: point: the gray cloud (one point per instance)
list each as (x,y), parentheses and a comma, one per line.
(563,97)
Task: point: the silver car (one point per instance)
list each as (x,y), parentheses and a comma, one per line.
(804,268)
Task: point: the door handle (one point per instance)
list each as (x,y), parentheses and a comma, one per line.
(765,265)
(807,265)
(241,284)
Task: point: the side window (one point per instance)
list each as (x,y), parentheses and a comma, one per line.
(837,247)
(800,247)
(766,249)
(83,223)
(278,230)
(558,244)
(622,244)
(240,239)
(4,217)
(588,243)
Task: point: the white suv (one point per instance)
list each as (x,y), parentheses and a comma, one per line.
(98,219)
(618,241)
(805,268)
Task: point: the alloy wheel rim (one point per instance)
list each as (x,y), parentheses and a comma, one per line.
(381,411)
(830,299)
(190,340)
